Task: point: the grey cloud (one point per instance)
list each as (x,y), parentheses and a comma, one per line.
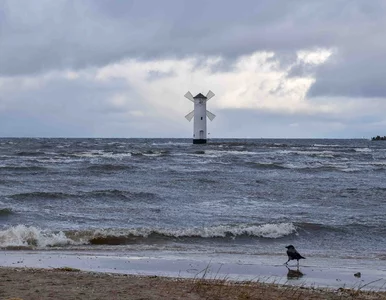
(39,36)
(71,107)
(358,66)
(63,97)
(359,72)
(156,75)
(302,69)
(43,35)
(19,124)
(81,108)
(220,66)
(284,59)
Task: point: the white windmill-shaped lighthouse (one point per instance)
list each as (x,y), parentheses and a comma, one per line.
(199,113)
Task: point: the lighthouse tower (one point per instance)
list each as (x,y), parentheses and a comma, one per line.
(199,114)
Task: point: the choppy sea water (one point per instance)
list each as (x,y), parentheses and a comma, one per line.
(247,197)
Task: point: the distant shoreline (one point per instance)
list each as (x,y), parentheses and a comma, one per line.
(379,138)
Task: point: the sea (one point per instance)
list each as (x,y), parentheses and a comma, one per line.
(327,197)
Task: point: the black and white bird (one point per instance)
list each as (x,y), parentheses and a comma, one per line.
(293,254)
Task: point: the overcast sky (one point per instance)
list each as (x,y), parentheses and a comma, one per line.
(279,68)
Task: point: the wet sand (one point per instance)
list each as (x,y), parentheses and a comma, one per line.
(80,275)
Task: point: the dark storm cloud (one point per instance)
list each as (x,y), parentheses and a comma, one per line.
(78,33)
(41,35)
(357,72)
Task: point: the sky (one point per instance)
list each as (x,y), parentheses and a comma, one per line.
(120,69)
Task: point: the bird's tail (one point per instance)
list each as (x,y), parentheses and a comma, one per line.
(302,257)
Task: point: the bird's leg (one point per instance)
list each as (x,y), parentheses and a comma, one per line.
(286,263)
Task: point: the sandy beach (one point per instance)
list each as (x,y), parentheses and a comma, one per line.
(67,283)
(77,275)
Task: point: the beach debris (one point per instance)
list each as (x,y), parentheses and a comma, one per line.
(67,269)
(358,274)
(293,254)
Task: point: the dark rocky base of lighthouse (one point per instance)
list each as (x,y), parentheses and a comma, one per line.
(199,141)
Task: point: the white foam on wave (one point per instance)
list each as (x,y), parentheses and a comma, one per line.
(190,169)
(269,230)
(326,145)
(217,153)
(350,170)
(363,150)
(229,152)
(203,154)
(152,154)
(55,160)
(29,236)
(265,230)
(376,163)
(172,144)
(325,153)
(101,153)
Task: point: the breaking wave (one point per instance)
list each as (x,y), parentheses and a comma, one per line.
(172,144)
(362,149)
(229,152)
(305,167)
(221,231)
(99,154)
(328,145)
(32,237)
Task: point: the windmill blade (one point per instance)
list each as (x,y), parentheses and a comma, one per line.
(190,116)
(209,95)
(189,96)
(210,115)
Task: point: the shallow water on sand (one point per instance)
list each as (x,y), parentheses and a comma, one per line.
(319,272)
